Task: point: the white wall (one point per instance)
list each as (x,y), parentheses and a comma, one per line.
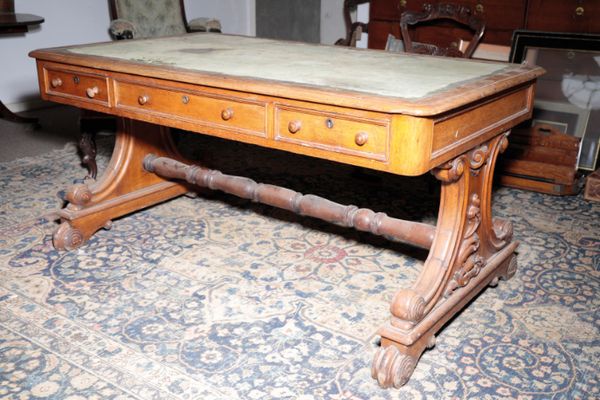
(332,21)
(362,15)
(236,16)
(66,22)
(85,21)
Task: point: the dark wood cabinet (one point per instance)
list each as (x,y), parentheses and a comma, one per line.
(502,18)
(580,16)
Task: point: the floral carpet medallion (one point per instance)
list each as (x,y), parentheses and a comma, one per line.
(218,298)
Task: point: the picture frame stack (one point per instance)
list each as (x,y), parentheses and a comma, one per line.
(560,144)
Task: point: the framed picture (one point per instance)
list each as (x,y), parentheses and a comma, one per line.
(562,117)
(568,95)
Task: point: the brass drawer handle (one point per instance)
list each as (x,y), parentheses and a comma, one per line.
(579,11)
(227,114)
(479,8)
(56,82)
(361,138)
(294,126)
(92,92)
(143,99)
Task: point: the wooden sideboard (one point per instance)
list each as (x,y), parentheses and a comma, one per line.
(502,18)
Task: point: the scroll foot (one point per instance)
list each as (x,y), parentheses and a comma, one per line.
(511,269)
(392,368)
(506,272)
(66,237)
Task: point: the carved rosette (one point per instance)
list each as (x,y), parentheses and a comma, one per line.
(67,238)
(479,158)
(502,233)
(408,307)
(450,171)
(79,195)
(391,368)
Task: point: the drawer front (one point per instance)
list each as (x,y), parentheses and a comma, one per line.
(74,84)
(224,112)
(564,16)
(334,132)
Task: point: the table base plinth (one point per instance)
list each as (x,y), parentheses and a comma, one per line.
(395,360)
(124,188)
(470,250)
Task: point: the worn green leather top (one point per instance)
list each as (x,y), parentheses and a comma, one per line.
(368,71)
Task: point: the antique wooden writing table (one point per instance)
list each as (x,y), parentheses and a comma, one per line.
(398,113)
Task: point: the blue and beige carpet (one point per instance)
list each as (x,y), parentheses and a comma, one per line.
(218,298)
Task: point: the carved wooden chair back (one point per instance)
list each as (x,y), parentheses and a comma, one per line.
(354,30)
(151,18)
(437,12)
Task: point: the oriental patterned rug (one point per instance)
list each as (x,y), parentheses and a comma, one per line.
(218,298)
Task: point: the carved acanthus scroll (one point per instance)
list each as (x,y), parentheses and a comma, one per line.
(469,261)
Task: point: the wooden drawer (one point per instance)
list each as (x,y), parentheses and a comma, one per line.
(335,132)
(84,86)
(215,110)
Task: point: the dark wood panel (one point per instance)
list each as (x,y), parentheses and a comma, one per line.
(502,18)
(385,10)
(379,31)
(504,15)
(564,15)
(289,20)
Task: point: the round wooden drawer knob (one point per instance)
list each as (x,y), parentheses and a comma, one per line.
(294,126)
(361,138)
(56,82)
(227,114)
(92,92)
(143,99)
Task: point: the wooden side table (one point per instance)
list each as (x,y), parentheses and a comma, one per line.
(11,23)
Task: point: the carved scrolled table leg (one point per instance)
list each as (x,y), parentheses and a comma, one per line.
(125,186)
(87,146)
(470,250)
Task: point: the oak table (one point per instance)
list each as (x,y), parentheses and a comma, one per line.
(403,114)
(11,23)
